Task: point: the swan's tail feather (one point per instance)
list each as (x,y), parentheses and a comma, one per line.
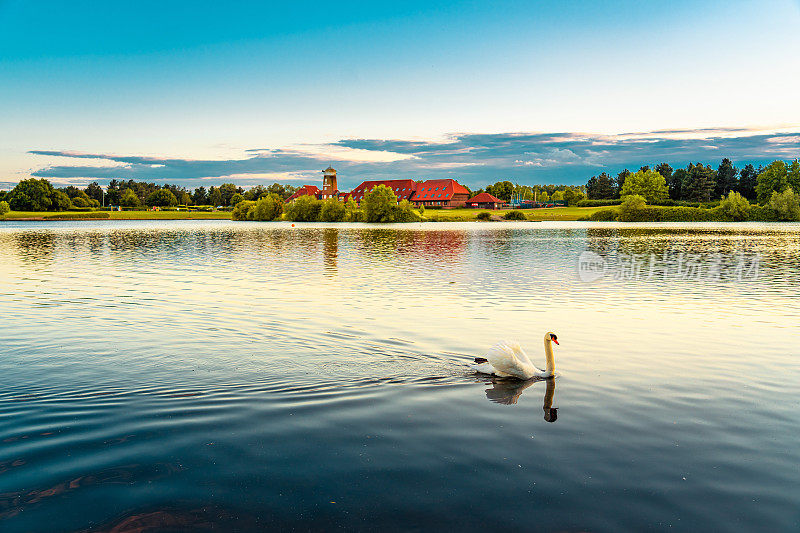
(482,365)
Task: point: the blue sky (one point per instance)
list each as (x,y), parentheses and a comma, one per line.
(198,93)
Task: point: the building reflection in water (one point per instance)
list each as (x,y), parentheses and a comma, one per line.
(330,250)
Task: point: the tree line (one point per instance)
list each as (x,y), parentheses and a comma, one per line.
(505,190)
(40,195)
(697,182)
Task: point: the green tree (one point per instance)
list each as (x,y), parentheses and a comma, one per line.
(630,205)
(620,181)
(557,196)
(284,191)
(235,199)
(646,183)
(747,182)
(186,198)
(269,207)
(227,190)
(793,175)
(699,184)
(591,187)
(74,192)
(352,213)
(80,202)
(94,191)
(129,199)
(61,201)
(303,209)
(404,212)
(774,178)
(665,170)
(214,196)
(726,178)
(785,205)
(31,195)
(244,210)
(332,211)
(377,204)
(675,183)
(4,208)
(544,197)
(200,196)
(573,196)
(604,188)
(161,198)
(502,190)
(735,206)
(254,193)
(113,193)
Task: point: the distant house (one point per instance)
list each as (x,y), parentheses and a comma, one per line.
(403,189)
(485,200)
(305,190)
(444,193)
(440,193)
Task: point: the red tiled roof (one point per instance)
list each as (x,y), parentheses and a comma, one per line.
(403,189)
(438,190)
(484,198)
(305,190)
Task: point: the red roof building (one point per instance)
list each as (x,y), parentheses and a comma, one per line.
(305,190)
(440,193)
(403,189)
(485,200)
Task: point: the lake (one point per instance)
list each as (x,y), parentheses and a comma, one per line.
(239,376)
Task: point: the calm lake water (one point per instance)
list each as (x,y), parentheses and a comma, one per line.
(199,375)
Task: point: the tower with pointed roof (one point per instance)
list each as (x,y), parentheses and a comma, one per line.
(330,188)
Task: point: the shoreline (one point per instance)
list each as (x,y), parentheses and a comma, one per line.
(561,214)
(430,215)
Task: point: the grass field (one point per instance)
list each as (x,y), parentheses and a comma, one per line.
(119,215)
(555,213)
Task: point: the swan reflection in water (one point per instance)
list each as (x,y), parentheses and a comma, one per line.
(508,391)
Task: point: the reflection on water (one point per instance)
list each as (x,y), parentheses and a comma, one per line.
(198,375)
(507,392)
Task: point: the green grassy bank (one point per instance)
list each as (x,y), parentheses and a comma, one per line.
(117,215)
(555,213)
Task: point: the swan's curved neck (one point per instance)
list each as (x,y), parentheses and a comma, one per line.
(548,354)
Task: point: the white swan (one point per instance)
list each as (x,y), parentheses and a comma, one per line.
(508,359)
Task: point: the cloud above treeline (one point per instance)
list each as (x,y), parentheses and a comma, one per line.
(474,159)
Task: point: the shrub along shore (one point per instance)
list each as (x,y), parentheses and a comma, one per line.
(781,207)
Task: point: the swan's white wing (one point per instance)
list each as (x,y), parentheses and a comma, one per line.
(519,352)
(504,360)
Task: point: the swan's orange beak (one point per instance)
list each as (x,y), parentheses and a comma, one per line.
(555,341)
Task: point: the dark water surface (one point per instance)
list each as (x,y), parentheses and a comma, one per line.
(200,375)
